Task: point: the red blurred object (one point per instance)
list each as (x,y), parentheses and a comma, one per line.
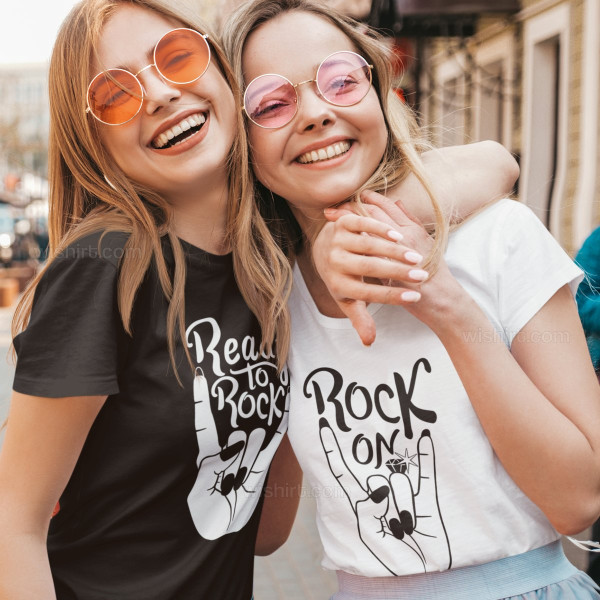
(56,509)
(403,55)
(10,182)
(400,93)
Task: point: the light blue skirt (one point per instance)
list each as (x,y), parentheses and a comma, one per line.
(541,574)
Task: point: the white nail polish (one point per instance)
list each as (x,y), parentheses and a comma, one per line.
(395,235)
(418,275)
(411,296)
(413,257)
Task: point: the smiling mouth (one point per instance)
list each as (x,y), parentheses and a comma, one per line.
(180,132)
(326,153)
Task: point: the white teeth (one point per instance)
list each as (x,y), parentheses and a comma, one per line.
(186,124)
(324,153)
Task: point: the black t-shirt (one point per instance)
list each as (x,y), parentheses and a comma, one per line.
(164,500)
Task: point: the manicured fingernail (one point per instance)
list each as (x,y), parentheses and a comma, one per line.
(380,494)
(240,478)
(411,296)
(396,529)
(328,211)
(413,257)
(227,484)
(230,451)
(395,235)
(407,522)
(418,275)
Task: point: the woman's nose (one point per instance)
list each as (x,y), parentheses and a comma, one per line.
(159,91)
(313,111)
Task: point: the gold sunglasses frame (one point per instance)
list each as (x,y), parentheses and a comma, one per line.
(315,81)
(135,76)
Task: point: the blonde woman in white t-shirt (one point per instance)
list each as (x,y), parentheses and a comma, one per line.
(449,456)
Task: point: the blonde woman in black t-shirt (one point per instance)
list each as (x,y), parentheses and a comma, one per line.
(148,396)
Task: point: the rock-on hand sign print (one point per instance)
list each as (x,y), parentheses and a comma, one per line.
(230,478)
(403,529)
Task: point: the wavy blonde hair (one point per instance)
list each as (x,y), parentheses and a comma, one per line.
(405,140)
(90,193)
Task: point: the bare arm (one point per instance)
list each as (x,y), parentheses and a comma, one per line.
(539,403)
(463,179)
(282,496)
(44,437)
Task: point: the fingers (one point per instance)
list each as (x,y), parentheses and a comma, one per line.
(378,242)
(350,485)
(374,292)
(361,320)
(253,446)
(395,210)
(236,439)
(206,430)
(358,224)
(376,267)
(375,506)
(333,214)
(257,473)
(403,496)
(427,492)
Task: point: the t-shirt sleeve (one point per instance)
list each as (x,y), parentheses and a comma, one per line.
(70,345)
(532,268)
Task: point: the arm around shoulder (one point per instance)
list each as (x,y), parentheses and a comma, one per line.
(463,178)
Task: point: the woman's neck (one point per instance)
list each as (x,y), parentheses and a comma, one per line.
(311,224)
(201,218)
(316,287)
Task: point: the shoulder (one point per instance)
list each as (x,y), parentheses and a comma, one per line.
(87,263)
(107,246)
(502,212)
(506,224)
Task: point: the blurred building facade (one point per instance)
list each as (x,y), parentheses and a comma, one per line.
(24,119)
(523,72)
(528,77)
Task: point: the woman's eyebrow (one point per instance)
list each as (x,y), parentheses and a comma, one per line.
(149,57)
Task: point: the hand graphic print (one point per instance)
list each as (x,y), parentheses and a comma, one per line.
(230,478)
(403,530)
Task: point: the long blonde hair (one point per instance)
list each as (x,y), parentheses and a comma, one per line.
(405,141)
(89,192)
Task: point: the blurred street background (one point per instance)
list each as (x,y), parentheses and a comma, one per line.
(525,73)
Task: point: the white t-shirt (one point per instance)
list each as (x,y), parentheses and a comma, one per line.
(405,478)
